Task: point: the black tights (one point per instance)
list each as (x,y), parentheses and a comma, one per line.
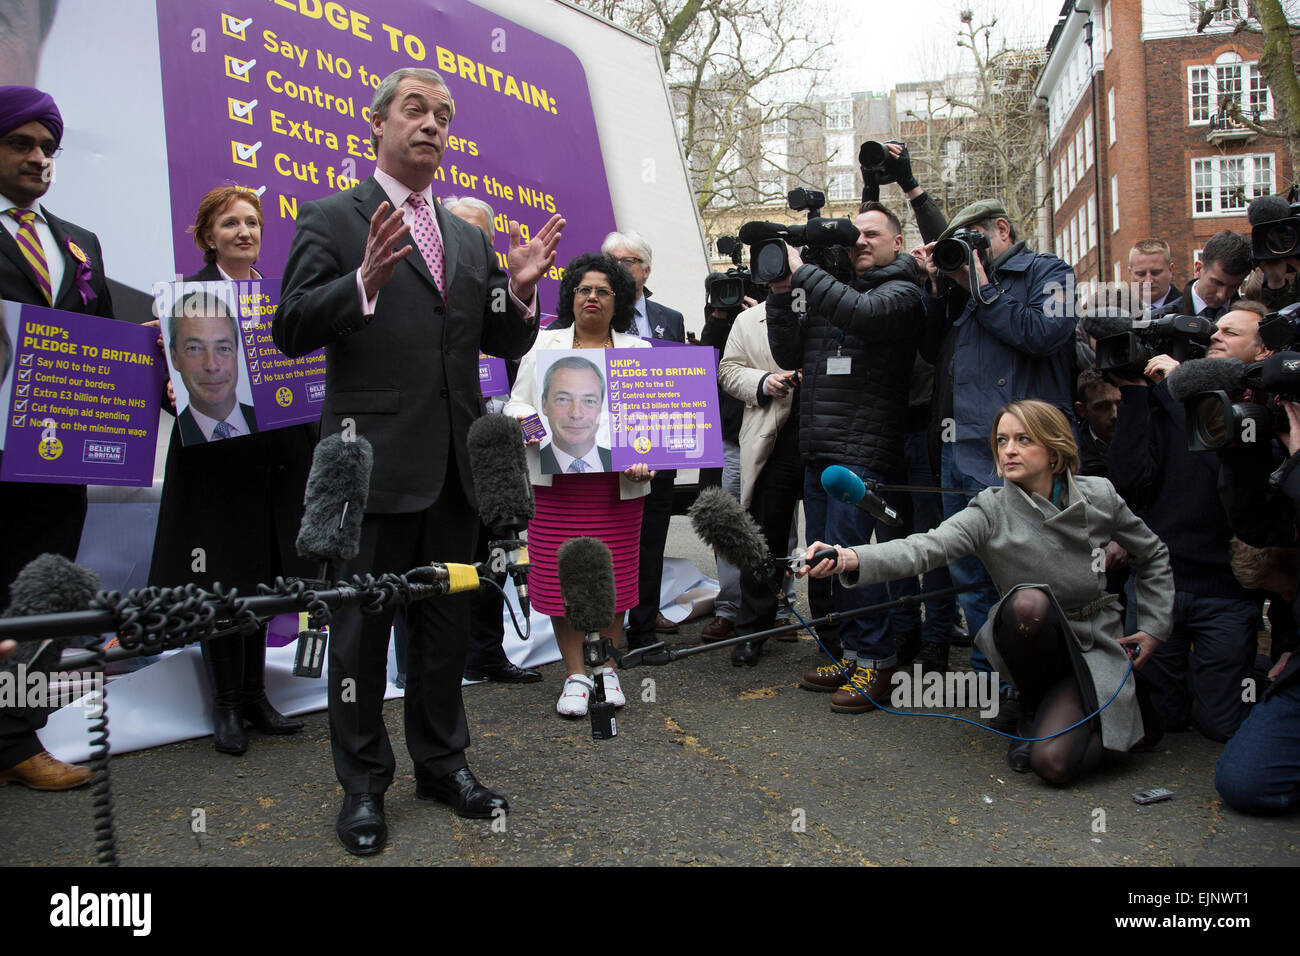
(1031,639)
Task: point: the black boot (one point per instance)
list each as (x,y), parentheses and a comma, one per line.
(933,657)
(224,657)
(257,709)
(747,653)
(1018,752)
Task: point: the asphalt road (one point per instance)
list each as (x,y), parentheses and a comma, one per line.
(713,764)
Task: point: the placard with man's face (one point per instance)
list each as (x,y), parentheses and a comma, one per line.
(572,400)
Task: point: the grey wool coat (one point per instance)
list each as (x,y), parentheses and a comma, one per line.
(1023,538)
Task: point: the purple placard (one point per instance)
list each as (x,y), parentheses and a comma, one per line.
(278,98)
(663,407)
(492,377)
(281,391)
(80,400)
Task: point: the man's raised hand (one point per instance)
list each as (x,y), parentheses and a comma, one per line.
(381,258)
(528,263)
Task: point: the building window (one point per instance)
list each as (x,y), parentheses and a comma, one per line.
(1226,184)
(1087,137)
(1229,76)
(1114,203)
(1230,13)
(1084,243)
(839,114)
(840,187)
(1105,21)
(1062,185)
(1074,165)
(776,127)
(1110,114)
(1084,156)
(1092,219)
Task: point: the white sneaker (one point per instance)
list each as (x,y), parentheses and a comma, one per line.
(613,689)
(573,699)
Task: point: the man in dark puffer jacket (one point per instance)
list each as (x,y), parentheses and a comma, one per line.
(855,345)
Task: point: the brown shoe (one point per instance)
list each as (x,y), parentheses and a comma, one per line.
(43,772)
(665,626)
(868,682)
(790,638)
(828,678)
(719,629)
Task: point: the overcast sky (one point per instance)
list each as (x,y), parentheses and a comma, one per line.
(880,43)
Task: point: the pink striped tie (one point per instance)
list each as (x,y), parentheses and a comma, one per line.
(30,244)
(427,239)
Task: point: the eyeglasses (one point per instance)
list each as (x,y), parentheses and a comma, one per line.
(587,291)
(629,261)
(24,145)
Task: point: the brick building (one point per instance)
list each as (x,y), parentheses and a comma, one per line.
(1137,144)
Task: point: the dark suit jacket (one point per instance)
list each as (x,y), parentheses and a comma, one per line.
(408,377)
(551,466)
(662,317)
(18,281)
(1182,305)
(192,434)
(240,501)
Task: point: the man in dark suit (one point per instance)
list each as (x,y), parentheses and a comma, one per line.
(49,262)
(1150,272)
(573,394)
(402,323)
(1225,264)
(203,341)
(654,321)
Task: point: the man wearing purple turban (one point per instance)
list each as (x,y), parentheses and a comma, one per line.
(49,262)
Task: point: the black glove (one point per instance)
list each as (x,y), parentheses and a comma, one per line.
(899,170)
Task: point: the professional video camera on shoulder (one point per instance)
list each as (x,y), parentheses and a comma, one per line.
(728,290)
(1231,403)
(1274,228)
(1125,345)
(824,242)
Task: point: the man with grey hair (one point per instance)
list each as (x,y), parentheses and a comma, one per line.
(653,321)
(403,296)
(474,211)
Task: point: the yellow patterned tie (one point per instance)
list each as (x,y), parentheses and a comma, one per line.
(30,244)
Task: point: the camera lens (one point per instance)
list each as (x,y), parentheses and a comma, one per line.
(871,155)
(1211,420)
(769,262)
(949,255)
(1282,240)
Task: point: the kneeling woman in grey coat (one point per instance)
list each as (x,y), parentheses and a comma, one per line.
(1056,634)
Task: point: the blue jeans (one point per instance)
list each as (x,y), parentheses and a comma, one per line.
(922,512)
(1195,676)
(727,603)
(967,570)
(867,638)
(1259,771)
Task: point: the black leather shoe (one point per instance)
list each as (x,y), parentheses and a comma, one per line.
(746,654)
(361,827)
(463,793)
(506,673)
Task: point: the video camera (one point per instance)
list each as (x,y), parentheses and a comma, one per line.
(1224,417)
(824,242)
(728,290)
(1182,337)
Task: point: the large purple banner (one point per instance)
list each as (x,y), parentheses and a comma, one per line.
(275,95)
(80,395)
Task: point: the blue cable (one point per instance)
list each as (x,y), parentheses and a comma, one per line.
(964,720)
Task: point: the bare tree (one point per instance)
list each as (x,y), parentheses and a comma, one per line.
(735,68)
(1276,63)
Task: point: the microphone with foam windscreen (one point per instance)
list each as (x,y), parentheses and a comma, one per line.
(587,588)
(48,584)
(499,468)
(335,501)
(1103,323)
(1196,376)
(843,485)
(725,526)
(334,505)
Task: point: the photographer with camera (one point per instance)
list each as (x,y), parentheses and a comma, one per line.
(1194,677)
(720,311)
(854,343)
(1259,770)
(998,330)
(1275,252)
